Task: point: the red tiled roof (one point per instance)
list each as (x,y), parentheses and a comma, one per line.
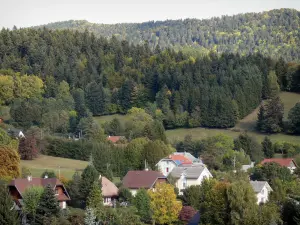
(141,179)
(114,139)
(282,162)
(181,158)
(22,183)
(109,189)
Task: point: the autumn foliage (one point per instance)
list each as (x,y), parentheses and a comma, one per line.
(9,162)
(27,148)
(164,205)
(187,213)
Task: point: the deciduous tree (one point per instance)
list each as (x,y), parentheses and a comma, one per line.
(164,205)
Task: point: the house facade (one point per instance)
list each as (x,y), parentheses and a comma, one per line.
(262,190)
(110,192)
(166,165)
(18,186)
(287,162)
(147,179)
(187,176)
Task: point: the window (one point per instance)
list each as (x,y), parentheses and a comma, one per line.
(263,191)
(56,191)
(167,169)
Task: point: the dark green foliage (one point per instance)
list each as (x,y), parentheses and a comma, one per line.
(270,171)
(270,116)
(191,196)
(49,174)
(270,33)
(48,205)
(267,147)
(8,216)
(65,148)
(250,146)
(88,177)
(142,202)
(113,76)
(73,188)
(294,119)
(291,212)
(125,195)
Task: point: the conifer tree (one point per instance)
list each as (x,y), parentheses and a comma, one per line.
(88,177)
(90,218)
(8,215)
(267,147)
(142,203)
(95,199)
(48,205)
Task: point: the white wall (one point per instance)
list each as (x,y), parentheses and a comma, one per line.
(263,196)
(133,191)
(189,182)
(164,164)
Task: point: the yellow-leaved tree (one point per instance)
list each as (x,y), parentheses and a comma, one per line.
(164,205)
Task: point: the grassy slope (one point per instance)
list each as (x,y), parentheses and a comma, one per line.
(246,124)
(42,163)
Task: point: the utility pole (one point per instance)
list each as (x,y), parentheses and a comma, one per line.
(234,158)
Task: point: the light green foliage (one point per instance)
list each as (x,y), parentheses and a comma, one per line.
(242,203)
(95,200)
(133,153)
(6,89)
(31,198)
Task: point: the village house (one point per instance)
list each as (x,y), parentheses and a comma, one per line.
(116,139)
(18,186)
(287,162)
(109,191)
(262,190)
(187,176)
(135,180)
(15,133)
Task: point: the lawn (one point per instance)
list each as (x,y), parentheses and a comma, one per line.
(43,162)
(246,124)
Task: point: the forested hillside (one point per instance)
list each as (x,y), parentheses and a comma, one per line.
(111,76)
(273,33)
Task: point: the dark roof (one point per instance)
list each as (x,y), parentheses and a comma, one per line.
(22,184)
(141,179)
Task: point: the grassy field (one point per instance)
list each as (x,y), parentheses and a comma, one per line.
(246,124)
(43,162)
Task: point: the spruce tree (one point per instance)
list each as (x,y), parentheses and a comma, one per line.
(95,199)
(267,147)
(90,218)
(142,203)
(294,119)
(48,205)
(88,177)
(8,215)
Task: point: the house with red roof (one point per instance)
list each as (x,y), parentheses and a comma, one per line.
(176,159)
(115,139)
(18,186)
(147,179)
(287,162)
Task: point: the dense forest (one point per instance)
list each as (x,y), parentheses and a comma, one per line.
(74,70)
(272,33)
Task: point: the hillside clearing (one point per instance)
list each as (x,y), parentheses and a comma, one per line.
(43,162)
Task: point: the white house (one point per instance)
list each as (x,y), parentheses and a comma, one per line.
(187,176)
(165,166)
(262,190)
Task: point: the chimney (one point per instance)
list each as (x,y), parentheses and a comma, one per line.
(29,178)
